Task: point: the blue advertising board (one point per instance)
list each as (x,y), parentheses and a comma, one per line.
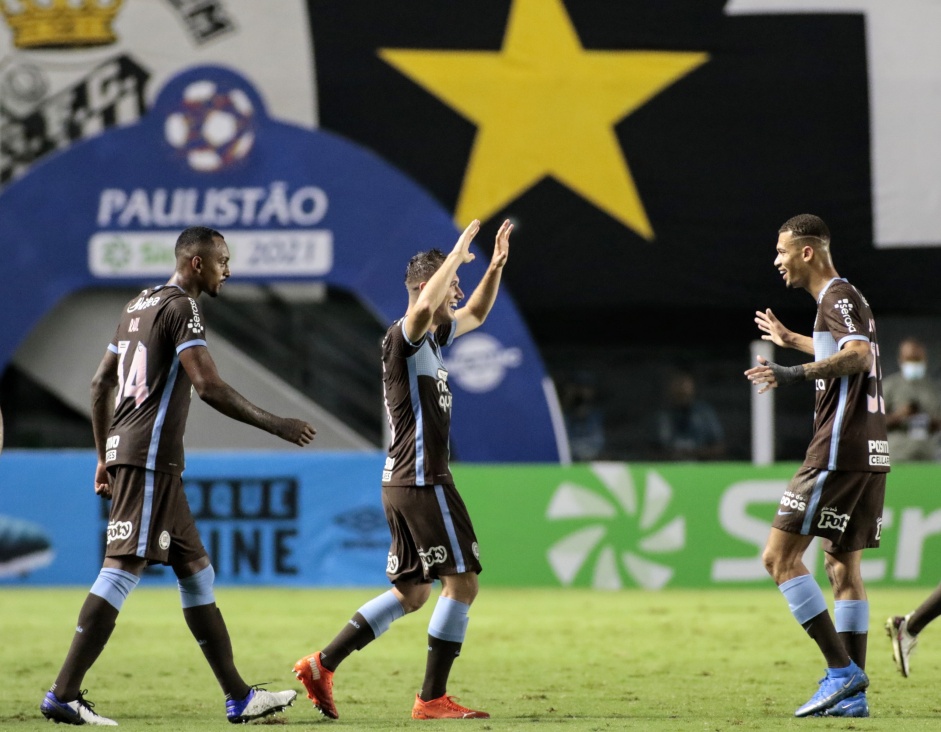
(264,518)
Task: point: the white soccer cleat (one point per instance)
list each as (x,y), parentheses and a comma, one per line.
(258,703)
(74,712)
(903,642)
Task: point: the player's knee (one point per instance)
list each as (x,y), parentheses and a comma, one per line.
(462,587)
(770,559)
(114,585)
(197,589)
(413,596)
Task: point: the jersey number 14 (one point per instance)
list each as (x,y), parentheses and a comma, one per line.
(134,384)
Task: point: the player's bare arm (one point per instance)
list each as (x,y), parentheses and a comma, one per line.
(775,332)
(481,300)
(220,396)
(854,358)
(421,313)
(103,385)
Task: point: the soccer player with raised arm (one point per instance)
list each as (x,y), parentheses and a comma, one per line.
(140,402)
(839,491)
(432,534)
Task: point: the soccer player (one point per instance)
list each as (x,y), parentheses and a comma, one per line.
(140,402)
(839,491)
(432,535)
(903,630)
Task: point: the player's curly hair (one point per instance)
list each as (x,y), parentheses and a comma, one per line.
(194,241)
(806,225)
(422,266)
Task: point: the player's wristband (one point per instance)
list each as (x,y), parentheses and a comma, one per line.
(785,375)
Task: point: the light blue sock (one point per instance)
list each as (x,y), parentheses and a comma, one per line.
(449,620)
(804,598)
(851,616)
(114,585)
(382,611)
(196,589)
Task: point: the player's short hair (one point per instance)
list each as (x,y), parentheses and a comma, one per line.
(195,240)
(422,266)
(806,225)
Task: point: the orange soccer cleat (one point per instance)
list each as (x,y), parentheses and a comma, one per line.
(319,684)
(444,707)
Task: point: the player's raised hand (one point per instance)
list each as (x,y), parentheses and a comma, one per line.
(501,245)
(296,430)
(462,247)
(772,328)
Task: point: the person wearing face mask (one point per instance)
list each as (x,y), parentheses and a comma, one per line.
(912,405)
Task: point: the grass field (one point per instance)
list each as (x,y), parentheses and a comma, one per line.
(535,659)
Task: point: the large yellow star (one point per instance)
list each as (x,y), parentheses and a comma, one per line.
(544,106)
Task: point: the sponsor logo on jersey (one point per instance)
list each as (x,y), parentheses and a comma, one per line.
(194,323)
(846,308)
(118,530)
(830,519)
(143,303)
(879,453)
(388,468)
(434,555)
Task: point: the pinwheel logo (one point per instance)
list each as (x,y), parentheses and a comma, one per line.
(622,533)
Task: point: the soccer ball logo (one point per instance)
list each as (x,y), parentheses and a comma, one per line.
(214,128)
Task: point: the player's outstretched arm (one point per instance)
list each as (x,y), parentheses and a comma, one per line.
(103,385)
(855,357)
(479,304)
(220,396)
(774,331)
(435,290)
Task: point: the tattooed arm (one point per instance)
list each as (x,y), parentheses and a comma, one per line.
(854,358)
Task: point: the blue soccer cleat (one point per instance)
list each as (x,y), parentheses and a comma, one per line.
(852,706)
(73,712)
(835,687)
(258,703)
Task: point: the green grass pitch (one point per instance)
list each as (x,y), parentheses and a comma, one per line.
(535,659)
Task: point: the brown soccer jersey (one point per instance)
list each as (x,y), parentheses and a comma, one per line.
(153,394)
(418,407)
(849,417)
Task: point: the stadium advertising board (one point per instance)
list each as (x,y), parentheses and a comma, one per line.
(317,520)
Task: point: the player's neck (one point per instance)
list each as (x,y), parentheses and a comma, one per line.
(819,280)
(187,285)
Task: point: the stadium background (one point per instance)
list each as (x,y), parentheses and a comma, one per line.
(650,253)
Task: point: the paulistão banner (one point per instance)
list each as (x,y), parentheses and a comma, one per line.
(317,520)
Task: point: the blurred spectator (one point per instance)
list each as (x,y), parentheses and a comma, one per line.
(688,428)
(912,405)
(584,418)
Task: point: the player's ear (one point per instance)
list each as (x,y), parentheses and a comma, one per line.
(196,263)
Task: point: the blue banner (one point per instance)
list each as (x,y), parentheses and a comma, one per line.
(264,518)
